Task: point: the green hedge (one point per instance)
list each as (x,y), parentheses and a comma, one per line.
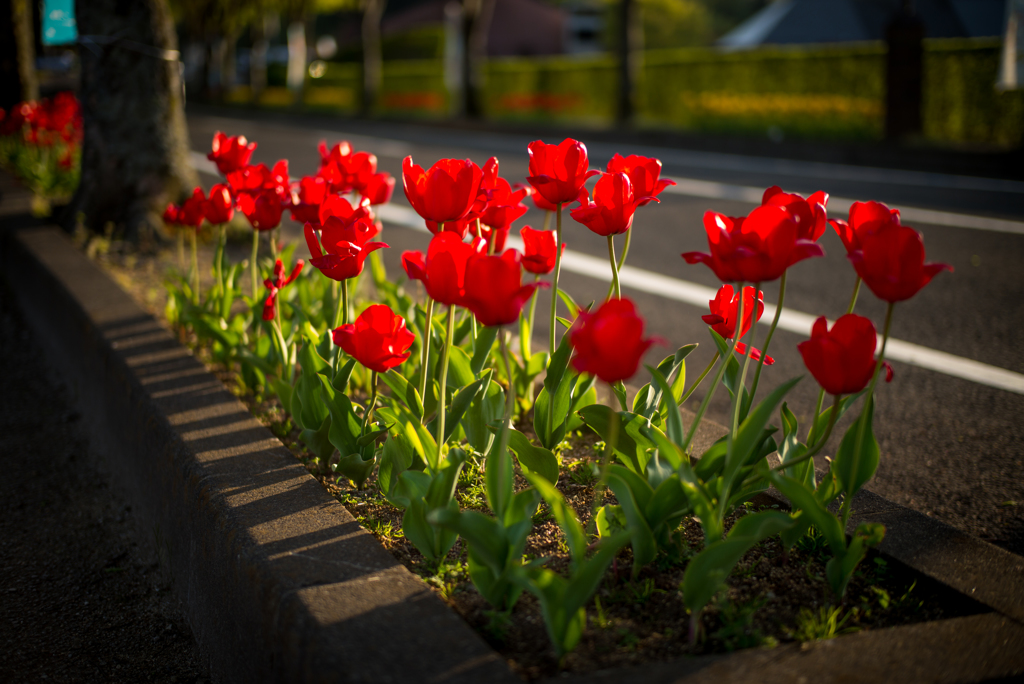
(562,89)
(835,92)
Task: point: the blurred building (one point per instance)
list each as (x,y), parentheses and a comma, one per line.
(833,21)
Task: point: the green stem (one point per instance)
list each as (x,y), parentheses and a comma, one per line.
(737,393)
(853,299)
(425,356)
(848,497)
(445,355)
(373,402)
(255,267)
(525,344)
(817,411)
(625,248)
(554,288)
(547,219)
(615,269)
(181,250)
(195,267)
(821,442)
(606,455)
(707,399)
(340,318)
(218,265)
(771,333)
(699,380)
(510,404)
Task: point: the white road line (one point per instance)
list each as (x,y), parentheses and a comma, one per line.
(201,164)
(745,193)
(790,320)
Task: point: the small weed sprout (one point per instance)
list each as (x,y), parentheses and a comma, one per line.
(825,623)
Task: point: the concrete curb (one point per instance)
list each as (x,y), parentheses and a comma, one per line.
(281,584)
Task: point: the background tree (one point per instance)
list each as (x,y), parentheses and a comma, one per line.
(135,148)
(17,53)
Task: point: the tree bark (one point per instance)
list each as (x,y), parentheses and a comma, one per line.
(18,80)
(373,67)
(476,55)
(630,54)
(135,153)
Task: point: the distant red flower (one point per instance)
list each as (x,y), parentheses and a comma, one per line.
(219,207)
(414,265)
(445,192)
(841,359)
(256,178)
(340,259)
(558,172)
(611,210)
(724,309)
(276,284)
(345,170)
(340,220)
(755,249)
(378,338)
(378,188)
(494,288)
(503,205)
(865,218)
(539,248)
(809,213)
(263,209)
(609,342)
(891,262)
(230,154)
(306,198)
(644,173)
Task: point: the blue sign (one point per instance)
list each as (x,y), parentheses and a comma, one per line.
(59,25)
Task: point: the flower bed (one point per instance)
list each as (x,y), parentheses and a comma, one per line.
(970,646)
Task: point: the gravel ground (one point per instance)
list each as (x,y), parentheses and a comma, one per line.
(83,598)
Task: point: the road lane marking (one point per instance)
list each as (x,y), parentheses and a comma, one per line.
(790,320)
(693,187)
(201,164)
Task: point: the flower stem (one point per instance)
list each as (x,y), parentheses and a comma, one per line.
(195,268)
(425,356)
(506,423)
(625,248)
(218,265)
(547,219)
(699,380)
(737,393)
(181,250)
(554,290)
(853,299)
(255,267)
(606,455)
(817,410)
(445,355)
(340,318)
(771,332)
(707,398)
(859,442)
(373,402)
(820,443)
(525,344)
(615,270)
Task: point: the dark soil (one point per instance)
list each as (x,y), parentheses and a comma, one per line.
(83,597)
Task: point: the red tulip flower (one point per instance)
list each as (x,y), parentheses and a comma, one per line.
(809,213)
(306,199)
(443,272)
(755,249)
(336,213)
(219,207)
(865,218)
(891,262)
(494,288)
(613,205)
(445,192)
(378,188)
(276,284)
(191,211)
(609,342)
(841,359)
(263,209)
(644,173)
(345,170)
(344,257)
(502,204)
(540,202)
(539,247)
(230,154)
(378,339)
(722,319)
(558,172)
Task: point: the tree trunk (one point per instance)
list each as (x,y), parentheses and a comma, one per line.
(135,154)
(18,80)
(296,75)
(630,54)
(904,74)
(373,68)
(478,26)
(258,59)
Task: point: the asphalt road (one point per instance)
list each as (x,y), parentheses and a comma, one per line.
(952,447)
